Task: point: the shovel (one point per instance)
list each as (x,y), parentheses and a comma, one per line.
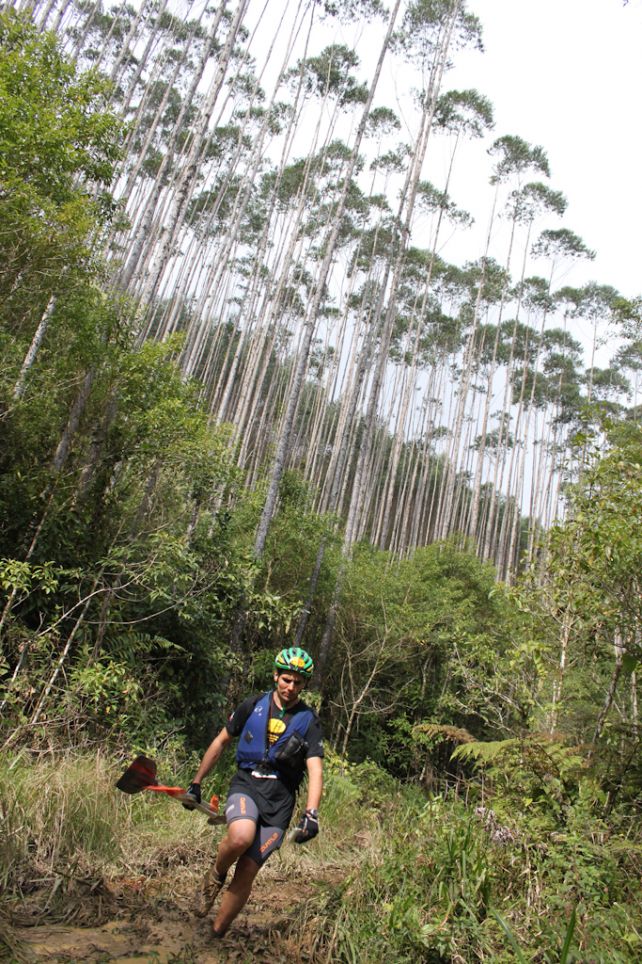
(141,775)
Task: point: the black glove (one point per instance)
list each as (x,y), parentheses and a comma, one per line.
(194,789)
(307,827)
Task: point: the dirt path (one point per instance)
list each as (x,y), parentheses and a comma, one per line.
(150,920)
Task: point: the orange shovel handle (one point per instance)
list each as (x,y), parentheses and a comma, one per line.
(177,793)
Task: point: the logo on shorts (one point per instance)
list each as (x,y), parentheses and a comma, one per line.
(268,843)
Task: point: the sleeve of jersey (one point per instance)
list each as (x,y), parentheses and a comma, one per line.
(239,717)
(314,737)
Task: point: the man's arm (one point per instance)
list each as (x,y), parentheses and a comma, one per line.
(314,766)
(212,755)
(308,825)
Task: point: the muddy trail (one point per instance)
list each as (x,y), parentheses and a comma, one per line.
(140,918)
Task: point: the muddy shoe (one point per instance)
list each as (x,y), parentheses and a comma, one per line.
(207,892)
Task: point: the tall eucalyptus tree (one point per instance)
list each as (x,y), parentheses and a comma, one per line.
(529,202)
(328,247)
(559,246)
(514,158)
(457,112)
(187,176)
(428,33)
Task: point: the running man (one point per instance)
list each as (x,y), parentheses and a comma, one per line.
(279,740)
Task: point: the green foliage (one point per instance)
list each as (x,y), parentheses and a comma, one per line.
(297,537)
(327,75)
(586,612)
(58,147)
(423,21)
(348,10)
(561,243)
(429,638)
(150,551)
(55,125)
(599,545)
(116,696)
(516,156)
(464,110)
(534,778)
(22,577)
(450,883)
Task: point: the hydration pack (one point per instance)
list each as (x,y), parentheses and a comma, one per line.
(286,753)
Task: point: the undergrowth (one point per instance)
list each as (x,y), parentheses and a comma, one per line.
(448,881)
(406,878)
(66,831)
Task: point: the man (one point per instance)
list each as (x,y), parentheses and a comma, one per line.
(279,740)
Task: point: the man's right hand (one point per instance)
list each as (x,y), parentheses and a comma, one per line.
(194,790)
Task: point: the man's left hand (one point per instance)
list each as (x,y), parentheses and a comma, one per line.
(307,827)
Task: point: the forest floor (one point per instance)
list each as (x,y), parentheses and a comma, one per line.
(149,919)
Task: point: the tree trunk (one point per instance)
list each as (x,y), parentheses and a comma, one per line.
(310,322)
(619,649)
(32,354)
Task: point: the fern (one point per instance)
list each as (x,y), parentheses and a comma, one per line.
(437,730)
(482,752)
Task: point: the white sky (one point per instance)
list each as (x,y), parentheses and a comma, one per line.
(567,75)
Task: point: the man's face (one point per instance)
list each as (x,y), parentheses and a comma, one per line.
(288,687)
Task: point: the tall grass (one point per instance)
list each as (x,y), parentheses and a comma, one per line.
(63,824)
(402,878)
(66,832)
(442,885)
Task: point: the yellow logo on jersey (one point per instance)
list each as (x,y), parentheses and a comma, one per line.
(275,729)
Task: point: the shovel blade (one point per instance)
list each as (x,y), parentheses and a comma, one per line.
(139,775)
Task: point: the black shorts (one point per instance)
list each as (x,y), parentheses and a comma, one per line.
(240,806)
(273,798)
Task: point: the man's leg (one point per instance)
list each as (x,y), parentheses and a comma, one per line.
(241,831)
(266,841)
(238,838)
(235,897)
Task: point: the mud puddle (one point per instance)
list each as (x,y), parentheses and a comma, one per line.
(152,922)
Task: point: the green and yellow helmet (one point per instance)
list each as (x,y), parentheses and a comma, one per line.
(294,660)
